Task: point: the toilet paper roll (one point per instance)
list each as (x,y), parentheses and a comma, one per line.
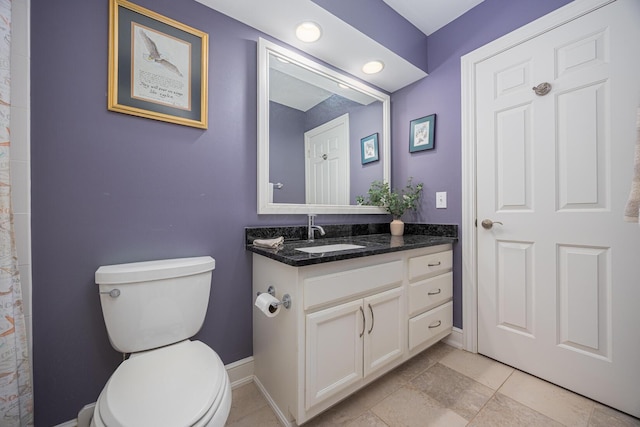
(268,304)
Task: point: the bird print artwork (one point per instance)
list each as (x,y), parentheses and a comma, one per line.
(155,56)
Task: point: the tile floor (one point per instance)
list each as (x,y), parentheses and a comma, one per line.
(447,387)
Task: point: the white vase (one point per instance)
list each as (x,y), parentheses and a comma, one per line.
(397,227)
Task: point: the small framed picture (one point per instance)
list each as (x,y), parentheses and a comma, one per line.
(157,66)
(369,146)
(422,133)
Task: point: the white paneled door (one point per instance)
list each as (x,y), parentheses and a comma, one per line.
(327,163)
(558,269)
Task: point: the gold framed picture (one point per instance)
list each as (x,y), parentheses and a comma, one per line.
(157,66)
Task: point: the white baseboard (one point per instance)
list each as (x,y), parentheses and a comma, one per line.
(455,338)
(240,373)
(281,417)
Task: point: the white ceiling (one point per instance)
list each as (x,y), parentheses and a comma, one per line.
(302,89)
(431,15)
(278,18)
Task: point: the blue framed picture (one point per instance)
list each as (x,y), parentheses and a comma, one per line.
(422,135)
(369,147)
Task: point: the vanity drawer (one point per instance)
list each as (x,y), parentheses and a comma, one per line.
(430,324)
(352,283)
(426,294)
(429,265)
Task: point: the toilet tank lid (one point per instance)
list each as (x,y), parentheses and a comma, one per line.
(153,270)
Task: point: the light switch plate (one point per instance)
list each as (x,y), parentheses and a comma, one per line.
(441,200)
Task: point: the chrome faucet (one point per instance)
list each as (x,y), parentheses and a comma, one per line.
(311,227)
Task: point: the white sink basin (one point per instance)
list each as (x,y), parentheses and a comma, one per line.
(329,248)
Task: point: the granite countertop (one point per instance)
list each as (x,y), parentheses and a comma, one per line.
(375,239)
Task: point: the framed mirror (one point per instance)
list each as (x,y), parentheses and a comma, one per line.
(323,136)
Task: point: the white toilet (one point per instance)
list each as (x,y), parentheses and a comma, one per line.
(150,310)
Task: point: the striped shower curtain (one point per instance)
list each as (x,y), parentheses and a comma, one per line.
(16,395)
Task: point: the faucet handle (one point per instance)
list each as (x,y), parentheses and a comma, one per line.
(310,226)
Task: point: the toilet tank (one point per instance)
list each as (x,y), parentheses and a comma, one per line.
(154,303)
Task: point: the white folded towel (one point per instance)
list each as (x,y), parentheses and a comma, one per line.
(632,210)
(269,243)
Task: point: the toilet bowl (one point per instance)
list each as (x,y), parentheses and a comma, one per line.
(184,384)
(150,310)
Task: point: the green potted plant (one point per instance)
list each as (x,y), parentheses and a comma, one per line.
(395,202)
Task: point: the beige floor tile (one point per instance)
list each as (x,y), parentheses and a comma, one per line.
(382,387)
(555,402)
(410,407)
(263,417)
(502,411)
(326,419)
(603,416)
(478,367)
(423,361)
(439,350)
(444,386)
(368,419)
(354,406)
(453,390)
(414,367)
(245,400)
(339,415)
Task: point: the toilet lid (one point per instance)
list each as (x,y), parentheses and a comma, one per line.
(171,386)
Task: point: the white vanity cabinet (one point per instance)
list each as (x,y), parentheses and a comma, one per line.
(350,321)
(348,342)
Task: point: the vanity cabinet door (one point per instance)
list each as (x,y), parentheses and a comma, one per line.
(333,350)
(384,336)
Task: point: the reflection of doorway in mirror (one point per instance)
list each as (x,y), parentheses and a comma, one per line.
(327,163)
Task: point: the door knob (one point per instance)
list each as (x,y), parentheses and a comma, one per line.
(487,223)
(542,89)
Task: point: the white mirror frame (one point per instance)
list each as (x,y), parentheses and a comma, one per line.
(265,48)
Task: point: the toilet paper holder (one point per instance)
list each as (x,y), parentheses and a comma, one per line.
(286,299)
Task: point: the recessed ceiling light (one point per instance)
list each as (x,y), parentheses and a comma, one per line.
(308,32)
(372,67)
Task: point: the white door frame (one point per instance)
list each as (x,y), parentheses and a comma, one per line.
(552,20)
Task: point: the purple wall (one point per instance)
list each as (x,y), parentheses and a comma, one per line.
(111,188)
(439,93)
(364,121)
(383,24)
